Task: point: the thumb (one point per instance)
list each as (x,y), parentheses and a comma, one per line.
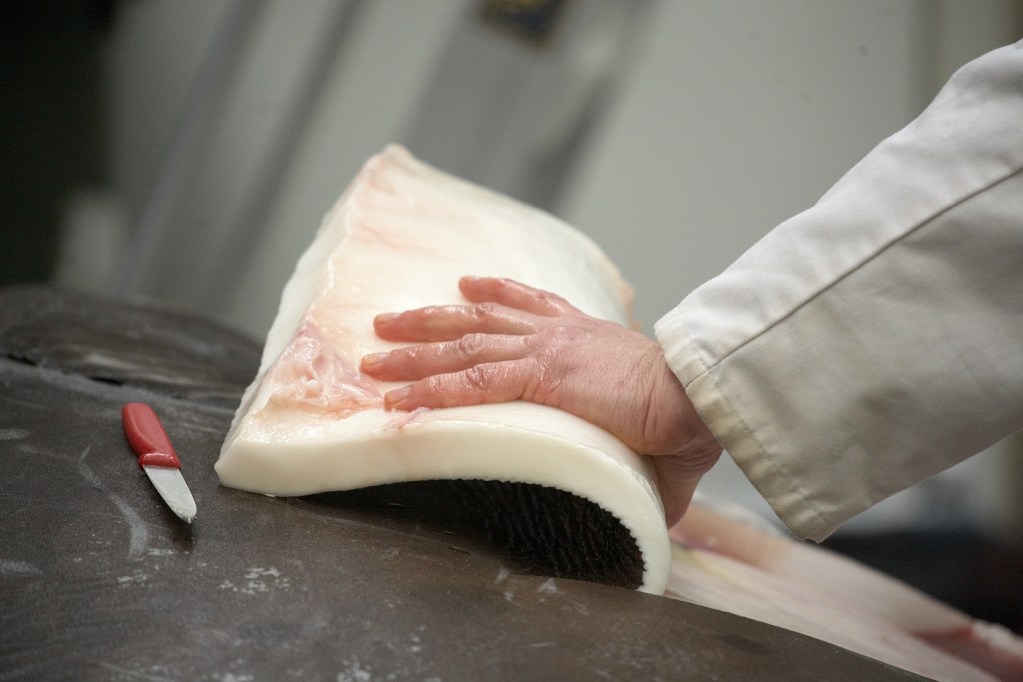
(677,478)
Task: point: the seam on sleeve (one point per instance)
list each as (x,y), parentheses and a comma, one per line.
(762,454)
(853,269)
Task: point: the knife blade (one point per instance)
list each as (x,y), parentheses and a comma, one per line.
(157,458)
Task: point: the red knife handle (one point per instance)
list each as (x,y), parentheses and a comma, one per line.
(147,438)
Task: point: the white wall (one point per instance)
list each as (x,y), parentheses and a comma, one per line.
(739,115)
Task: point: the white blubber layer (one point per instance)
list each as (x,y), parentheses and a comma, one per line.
(399,238)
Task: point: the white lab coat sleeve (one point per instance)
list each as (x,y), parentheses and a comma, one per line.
(876,338)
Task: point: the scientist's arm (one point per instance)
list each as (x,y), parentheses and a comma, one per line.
(514,342)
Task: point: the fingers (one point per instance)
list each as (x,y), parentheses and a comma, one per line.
(508,292)
(487,383)
(418,362)
(499,306)
(446,323)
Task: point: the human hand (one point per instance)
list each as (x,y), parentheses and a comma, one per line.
(515,342)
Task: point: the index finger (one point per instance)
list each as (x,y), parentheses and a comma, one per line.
(514,294)
(450,322)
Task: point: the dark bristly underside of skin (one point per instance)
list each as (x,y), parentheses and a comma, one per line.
(541,530)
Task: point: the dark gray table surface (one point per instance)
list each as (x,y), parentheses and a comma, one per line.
(98,579)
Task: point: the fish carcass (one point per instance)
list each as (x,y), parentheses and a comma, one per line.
(399,238)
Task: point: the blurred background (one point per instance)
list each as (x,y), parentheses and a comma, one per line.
(185,151)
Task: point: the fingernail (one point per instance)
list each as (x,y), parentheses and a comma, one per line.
(384,318)
(373,359)
(393,399)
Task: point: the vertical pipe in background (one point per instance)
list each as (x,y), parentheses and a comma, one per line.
(249,226)
(204,101)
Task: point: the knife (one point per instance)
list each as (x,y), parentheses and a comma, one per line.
(157,458)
